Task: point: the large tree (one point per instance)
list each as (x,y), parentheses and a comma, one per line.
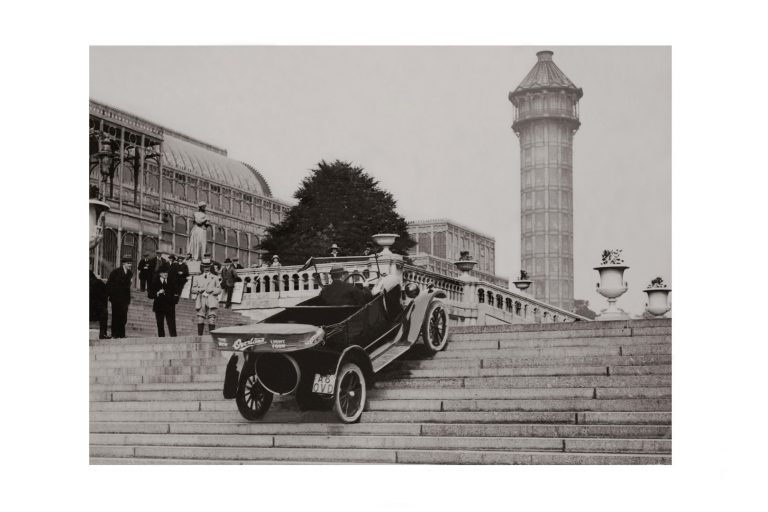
(338,204)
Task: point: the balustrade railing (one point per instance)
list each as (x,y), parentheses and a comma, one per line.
(471,301)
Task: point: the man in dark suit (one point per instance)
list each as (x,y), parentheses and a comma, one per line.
(98,304)
(119,291)
(154,265)
(164,292)
(340,293)
(179,273)
(236,263)
(228,278)
(145,271)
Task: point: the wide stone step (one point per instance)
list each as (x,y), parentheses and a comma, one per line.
(158,370)
(529,371)
(582,418)
(556,351)
(539,335)
(564,327)
(254,428)
(200,355)
(590,381)
(158,379)
(388,442)
(412,429)
(202,386)
(660,404)
(490,457)
(514,362)
(520,393)
(552,430)
(373,455)
(230,415)
(244,453)
(559,342)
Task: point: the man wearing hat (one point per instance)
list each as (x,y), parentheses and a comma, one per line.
(198,236)
(179,274)
(144,267)
(206,287)
(119,292)
(154,266)
(341,293)
(228,278)
(236,263)
(164,292)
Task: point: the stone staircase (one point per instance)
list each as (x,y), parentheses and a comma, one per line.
(142,323)
(583,393)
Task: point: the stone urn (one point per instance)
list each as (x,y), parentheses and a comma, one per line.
(465,266)
(612,286)
(522,284)
(658,301)
(385,241)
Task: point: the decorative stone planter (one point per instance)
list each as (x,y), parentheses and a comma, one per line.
(612,286)
(658,301)
(465,266)
(385,241)
(522,284)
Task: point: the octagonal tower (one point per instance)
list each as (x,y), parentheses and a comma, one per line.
(546,117)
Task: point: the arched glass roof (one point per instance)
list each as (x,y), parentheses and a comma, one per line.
(210,165)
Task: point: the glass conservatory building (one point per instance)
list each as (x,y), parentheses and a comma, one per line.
(153,178)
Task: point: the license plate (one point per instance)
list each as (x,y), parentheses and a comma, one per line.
(323,384)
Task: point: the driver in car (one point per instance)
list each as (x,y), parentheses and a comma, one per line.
(341,293)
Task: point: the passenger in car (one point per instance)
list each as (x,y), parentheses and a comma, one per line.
(340,293)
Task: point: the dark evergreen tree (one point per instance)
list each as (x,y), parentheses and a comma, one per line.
(338,204)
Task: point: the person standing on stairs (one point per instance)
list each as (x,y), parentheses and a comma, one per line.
(179,274)
(228,278)
(164,292)
(145,272)
(154,265)
(119,291)
(98,304)
(206,287)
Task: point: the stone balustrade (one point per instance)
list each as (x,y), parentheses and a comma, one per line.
(471,301)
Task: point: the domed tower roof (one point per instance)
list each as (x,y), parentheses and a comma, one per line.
(545,75)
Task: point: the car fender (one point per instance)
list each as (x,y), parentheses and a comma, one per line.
(357,355)
(420,305)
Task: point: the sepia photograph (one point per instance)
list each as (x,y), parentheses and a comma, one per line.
(380,255)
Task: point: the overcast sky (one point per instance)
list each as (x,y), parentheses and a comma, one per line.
(432,124)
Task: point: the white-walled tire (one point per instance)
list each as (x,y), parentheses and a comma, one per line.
(350,393)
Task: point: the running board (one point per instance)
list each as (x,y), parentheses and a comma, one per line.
(387,356)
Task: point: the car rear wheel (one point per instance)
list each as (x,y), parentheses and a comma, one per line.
(349,395)
(252,399)
(434,332)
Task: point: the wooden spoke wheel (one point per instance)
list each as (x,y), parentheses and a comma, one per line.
(435,328)
(349,395)
(252,399)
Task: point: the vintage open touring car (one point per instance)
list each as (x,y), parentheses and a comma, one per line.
(327,356)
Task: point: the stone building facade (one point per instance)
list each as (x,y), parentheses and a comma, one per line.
(439,242)
(157,178)
(545,119)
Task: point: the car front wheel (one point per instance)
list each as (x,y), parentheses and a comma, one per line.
(252,399)
(349,395)
(434,332)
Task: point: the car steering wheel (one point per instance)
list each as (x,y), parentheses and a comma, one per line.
(354,278)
